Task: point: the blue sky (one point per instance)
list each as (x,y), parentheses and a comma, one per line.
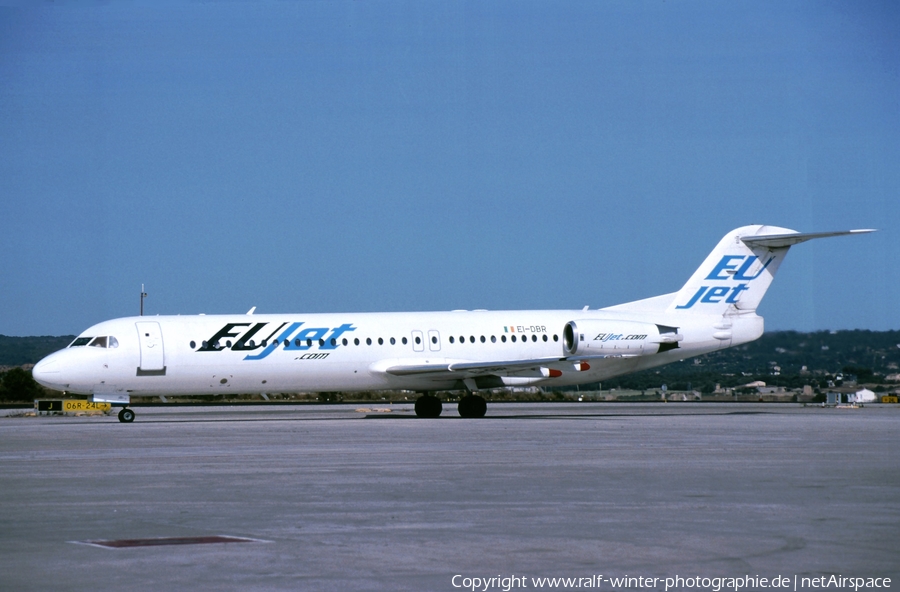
(386,156)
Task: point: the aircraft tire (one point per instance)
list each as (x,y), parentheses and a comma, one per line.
(126,415)
(472,406)
(428,406)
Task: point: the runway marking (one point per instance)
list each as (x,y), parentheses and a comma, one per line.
(163,541)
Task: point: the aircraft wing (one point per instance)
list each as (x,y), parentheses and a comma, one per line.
(472,369)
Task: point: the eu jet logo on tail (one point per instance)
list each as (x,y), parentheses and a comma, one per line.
(729,267)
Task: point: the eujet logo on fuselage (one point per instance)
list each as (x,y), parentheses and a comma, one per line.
(246,334)
(728,268)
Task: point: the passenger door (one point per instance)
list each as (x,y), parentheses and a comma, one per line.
(153,357)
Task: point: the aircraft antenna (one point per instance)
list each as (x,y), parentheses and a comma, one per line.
(143,295)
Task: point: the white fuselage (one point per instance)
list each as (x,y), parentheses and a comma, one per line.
(352,352)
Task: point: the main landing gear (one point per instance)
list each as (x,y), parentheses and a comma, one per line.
(469,406)
(126,415)
(472,406)
(428,406)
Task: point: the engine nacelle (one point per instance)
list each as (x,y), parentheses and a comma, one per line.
(618,338)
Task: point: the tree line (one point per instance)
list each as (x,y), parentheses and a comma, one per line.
(17,386)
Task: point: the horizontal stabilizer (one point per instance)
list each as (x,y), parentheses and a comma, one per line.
(737,273)
(773,241)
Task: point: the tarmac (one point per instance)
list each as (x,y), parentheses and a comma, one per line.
(368,497)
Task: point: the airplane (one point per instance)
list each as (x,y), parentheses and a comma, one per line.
(425,352)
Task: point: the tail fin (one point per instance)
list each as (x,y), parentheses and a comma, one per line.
(740,269)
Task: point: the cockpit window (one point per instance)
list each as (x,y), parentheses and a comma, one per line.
(103,341)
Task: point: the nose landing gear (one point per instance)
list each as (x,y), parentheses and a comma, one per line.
(126,415)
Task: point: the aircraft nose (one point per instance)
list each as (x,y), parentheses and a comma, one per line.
(46,372)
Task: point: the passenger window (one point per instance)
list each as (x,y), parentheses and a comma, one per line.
(368,341)
(344,341)
(193,344)
(418,340)
(545,337)
(356,341)
(555,338)
(534,337)
(433,339)
(493,339)
(471,339)
(451,339)
(380,341)
(503,338)
(482,339)
(513,338)
(404,340)
(393,341)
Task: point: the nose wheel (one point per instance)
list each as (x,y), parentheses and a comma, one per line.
(126,415)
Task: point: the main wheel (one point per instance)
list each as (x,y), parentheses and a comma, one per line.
(472,406)
(126,415)
(428,406)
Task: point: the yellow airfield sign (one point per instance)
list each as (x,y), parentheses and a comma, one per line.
(56,406)
(71,405)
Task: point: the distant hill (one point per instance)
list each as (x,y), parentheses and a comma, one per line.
(785,358)
(823,351)
(19,351)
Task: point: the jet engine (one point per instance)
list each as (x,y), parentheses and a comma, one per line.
(618,338)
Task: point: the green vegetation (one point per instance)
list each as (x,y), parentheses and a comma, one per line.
(17,355)
(783,358)
(17,385)
(21,351)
